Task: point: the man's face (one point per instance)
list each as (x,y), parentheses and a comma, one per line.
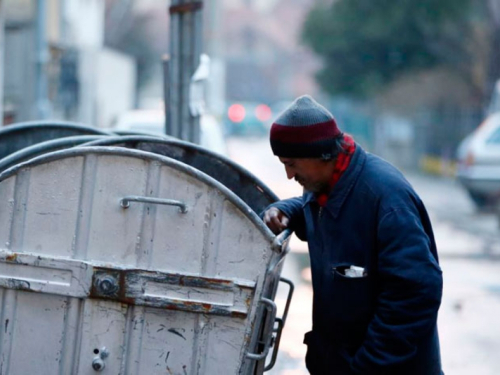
(313,174)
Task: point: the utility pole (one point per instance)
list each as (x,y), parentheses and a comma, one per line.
(42,57)
(2,57)
(186,32)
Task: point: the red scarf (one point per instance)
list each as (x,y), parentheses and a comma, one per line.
(341,164)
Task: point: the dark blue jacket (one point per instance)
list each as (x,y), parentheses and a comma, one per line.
(385,321)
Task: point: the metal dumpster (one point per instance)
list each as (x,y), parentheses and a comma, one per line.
(45,147)
(18,136)
(245,185)
(133,263)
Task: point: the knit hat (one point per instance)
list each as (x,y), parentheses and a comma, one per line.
(305,129)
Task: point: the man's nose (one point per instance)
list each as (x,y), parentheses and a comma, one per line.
(289,173)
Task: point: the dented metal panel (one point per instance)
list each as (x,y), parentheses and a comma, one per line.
(142,289)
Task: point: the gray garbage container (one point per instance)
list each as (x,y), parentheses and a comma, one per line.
(131,262)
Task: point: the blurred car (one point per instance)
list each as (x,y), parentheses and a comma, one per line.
(248,118)
(152,121)
(479,162)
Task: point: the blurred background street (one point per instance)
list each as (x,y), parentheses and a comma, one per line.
(416,82)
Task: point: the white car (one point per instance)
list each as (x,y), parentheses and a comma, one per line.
(479,162)
(153,122)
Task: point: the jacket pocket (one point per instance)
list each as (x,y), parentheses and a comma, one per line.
(351,296)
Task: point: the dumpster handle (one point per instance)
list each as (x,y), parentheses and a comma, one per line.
(125,202)
(281,324)
(271,307)
(280,239)
(280,246)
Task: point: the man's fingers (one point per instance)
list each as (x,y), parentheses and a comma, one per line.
(275,220)
(284,221)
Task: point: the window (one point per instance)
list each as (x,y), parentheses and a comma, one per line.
(494,138)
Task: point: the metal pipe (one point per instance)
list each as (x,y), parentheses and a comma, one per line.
(166,94)
(174,71)
(185,49)
(195,58)
(2,56)
(186,57)
(267,333)
(42,57)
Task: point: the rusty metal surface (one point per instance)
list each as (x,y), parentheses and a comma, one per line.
(244,184)
(167,291)
(68,277)
(174,291)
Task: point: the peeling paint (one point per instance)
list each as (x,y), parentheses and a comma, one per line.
(222,303)
(131,289)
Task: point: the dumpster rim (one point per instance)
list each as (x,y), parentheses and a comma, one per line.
(25,151)
(52,124)
(121,151)
(193,146)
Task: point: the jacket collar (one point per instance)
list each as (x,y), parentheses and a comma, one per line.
(339,193)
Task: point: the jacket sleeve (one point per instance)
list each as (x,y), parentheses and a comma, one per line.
(292,208)
(410,294)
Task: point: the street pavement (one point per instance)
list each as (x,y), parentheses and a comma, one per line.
(469,249)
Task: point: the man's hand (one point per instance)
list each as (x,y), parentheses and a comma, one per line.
(276,220)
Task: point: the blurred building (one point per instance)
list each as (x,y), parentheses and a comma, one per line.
(264,58)
(56,65)
(255,51)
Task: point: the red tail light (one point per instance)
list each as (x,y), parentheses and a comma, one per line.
(263,112)
(236,113)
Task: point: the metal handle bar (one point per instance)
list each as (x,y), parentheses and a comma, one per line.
(271,307)
(125,202)
(280,240)
(281,324)
(280,246)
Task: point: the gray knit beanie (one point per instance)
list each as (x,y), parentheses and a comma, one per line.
(305,129)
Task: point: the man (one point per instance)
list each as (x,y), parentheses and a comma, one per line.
(376,279)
